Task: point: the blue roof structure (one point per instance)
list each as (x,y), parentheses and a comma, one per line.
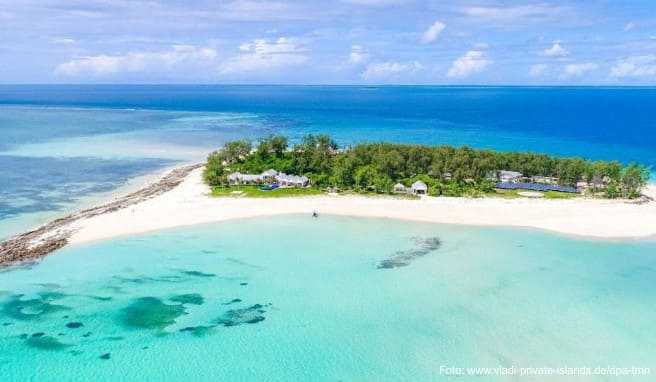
(535,187)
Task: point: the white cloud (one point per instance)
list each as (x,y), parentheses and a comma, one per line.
(358,55)
(431,34)
(629,26)
(635,66)
(537,70)
(256,10)
(103,65)
(578,70)
(556,50)
(474,61)
(263,54)
(385,70)
(534,11)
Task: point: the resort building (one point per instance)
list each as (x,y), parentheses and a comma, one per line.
(270,176)
(544,179)
(239,178)
(292,180)
(400,189)
(510,176)
(419,188)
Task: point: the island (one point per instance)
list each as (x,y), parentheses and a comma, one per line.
(316,163)
(437,184)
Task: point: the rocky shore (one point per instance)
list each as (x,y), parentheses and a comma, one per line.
(40,242)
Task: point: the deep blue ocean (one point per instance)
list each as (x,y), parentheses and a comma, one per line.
(63,143)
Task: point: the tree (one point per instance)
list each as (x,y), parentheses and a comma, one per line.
(214,172)
(365,177)
(275,145)
(235,151)
(634,178)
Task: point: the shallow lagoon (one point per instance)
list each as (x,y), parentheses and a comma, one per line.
(296,298)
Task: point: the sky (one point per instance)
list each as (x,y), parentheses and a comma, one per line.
(484,42)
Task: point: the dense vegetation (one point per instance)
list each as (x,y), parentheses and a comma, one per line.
(451,171)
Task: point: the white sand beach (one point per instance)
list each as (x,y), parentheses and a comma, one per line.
(190,203)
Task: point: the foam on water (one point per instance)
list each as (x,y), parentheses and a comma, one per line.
(296,298)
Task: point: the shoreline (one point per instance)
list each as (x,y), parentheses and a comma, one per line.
(181,198)
(47,238)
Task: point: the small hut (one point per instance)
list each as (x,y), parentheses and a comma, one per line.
(419,188)
(400,189)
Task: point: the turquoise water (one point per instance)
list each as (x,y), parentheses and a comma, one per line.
(296,298)
(299,299)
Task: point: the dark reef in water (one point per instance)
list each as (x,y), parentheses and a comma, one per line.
(199,331)
(35,308)
(233,301)
(189,298)
(147,279)
(105,356)
(150,313)
(74,325)
(114,338)
(101,298)
(234,317)
(250,315)
(198,273)
(404,258)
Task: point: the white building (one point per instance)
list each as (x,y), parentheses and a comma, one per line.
(239,178)
(419,188)
(292,180)
(269,176)
(270,173)
(510,176)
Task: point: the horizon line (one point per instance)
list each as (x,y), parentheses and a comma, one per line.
(340,85)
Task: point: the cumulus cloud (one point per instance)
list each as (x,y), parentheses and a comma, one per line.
(537,70)
(472,62)
(635,66)
(358,55)
(578,70)
(103,65)
(432,33)
(264,54)
(556,50)
(386,70)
